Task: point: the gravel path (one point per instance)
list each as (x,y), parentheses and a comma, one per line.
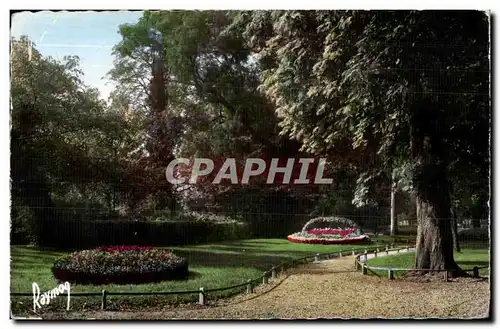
(332,289)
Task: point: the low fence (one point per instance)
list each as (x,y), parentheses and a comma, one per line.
(203,294)
(361,264)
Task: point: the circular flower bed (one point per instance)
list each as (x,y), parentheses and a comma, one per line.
(351,233)
(120,265)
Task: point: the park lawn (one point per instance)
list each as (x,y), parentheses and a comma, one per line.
(211,266)
(466,259)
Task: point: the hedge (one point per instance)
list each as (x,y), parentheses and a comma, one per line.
(83,234)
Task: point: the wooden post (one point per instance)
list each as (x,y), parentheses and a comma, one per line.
(394,219)
(391,274)
(201,297)
(475,272)
(364,269)
(103,301)
(249,287)
(264,278)
(356,264)
(273,273)
(446,276)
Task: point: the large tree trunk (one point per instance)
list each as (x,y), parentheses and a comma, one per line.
(394,221)
(434,239)
(429,152)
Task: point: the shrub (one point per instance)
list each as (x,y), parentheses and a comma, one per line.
(193,216)
(23,225)
(86,234)
(120,265)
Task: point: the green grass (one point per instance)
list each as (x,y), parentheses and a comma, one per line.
(466,259)
(211,266)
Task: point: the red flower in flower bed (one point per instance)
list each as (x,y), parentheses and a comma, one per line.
(123,248)
(331,231)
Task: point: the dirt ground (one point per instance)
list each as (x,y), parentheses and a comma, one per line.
(329,289)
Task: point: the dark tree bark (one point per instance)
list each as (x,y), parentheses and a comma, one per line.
(434,247)
(164,129)
(434,240)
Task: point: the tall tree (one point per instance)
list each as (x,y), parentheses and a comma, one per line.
(60,134)
(396,85)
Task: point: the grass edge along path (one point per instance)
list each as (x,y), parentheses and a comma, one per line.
(466,259)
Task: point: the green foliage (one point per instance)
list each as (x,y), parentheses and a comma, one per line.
(192,216)
(338,77)
(61,135)
(212,78)
(23,226)
(68,232)
(69,149)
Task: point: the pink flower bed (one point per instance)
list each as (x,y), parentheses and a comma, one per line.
(319,240)
(331,231)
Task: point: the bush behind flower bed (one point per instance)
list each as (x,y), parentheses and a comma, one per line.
(120,265)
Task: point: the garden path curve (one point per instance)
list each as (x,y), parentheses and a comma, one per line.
(332,289)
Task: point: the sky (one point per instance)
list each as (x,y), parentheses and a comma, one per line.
(87,34)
